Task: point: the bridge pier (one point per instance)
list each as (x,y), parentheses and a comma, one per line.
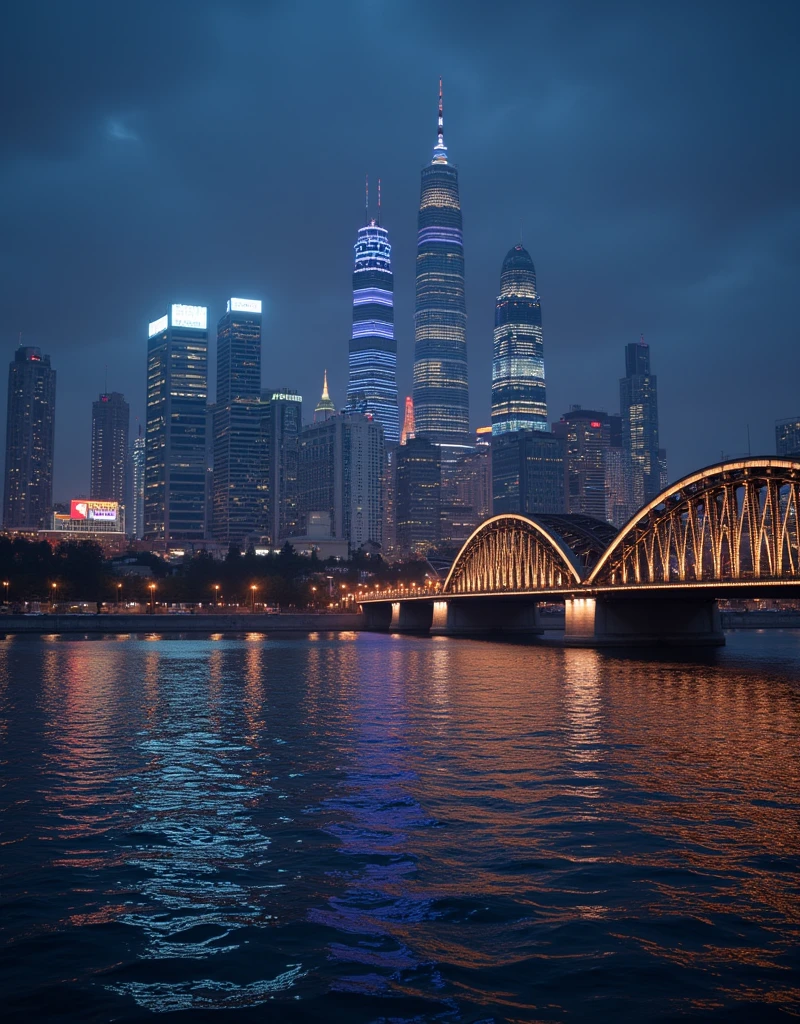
(411,616)
(465,617)
(643,620)
(377,616)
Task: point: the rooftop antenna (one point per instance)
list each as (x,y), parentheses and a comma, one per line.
(379,201)
(641,339)
(366,197)
(105,383)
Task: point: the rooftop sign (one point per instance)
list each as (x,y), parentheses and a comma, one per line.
(157,326)
(244,305)
(193,317)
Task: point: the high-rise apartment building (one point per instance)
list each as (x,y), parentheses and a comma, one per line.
(372,382)
(281,426)
(638,403)
(587,437)
(175,438)
(110,422)
(519,399)
(441,397)
(787,436)
(134,493)
(341,471)
(238,457)
(418,496)
(30,433)
(528,475)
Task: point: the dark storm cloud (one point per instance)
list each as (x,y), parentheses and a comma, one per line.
(190,151)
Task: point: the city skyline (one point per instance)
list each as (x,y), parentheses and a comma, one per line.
(634,230)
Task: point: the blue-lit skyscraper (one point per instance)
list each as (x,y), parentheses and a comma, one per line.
(441,397)
(372,384)
(518,391)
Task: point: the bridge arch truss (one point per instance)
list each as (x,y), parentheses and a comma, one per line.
(512,554)
(736,521)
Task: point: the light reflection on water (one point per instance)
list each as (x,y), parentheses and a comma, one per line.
(381,827)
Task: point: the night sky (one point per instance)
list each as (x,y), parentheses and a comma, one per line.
(189,151)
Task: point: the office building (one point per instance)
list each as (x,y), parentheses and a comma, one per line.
(30,433)
(372,381)
(787,436)
(638,403)
(110,422)
(134,494)
(528,473)
(409,427)
(175,437)
(587,435)
(518,390)
(237,456)
(441,397)
(621,499)
(418,496)
(341,470)
(281,427)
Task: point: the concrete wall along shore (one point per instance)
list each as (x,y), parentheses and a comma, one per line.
(310,622)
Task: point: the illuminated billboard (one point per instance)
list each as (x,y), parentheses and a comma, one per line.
(157,326)
(193,317)
(244,305)
(105,511)
(284,396)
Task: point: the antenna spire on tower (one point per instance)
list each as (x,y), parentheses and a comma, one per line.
(366,197)
(440,150)
(379,201)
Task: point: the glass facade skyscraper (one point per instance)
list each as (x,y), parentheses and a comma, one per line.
(372,383)
(110,422)
(518,389)
(237,498)
(175,442)
(30,433)
(441,397)
(638,406)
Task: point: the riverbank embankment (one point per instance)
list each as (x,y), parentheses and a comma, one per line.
(301,622)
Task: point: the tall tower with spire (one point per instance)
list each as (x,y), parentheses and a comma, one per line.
(441,397)
(372,382)
(325,407)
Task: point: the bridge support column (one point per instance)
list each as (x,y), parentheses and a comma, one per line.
(377,616)
(466,617)
(643,621)
(411,616)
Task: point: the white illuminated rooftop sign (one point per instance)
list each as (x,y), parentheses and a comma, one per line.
(283,396)
(157,326)
(244,305)
(193,317)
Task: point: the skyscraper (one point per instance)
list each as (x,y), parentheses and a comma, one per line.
(30,429)
(587,436)
(372,383)
(441,397)
(638,405)
(175,459)
(409,427)
(342,462)
(281,425)
(110,421)
(134,497)
(237,505)
(418,501)
(528,473)
(518,390)
(787,436)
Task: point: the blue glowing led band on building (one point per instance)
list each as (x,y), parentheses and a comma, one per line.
(372,382)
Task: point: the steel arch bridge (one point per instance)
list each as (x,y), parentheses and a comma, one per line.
(736,522)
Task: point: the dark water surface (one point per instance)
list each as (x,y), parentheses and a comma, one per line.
(371,828)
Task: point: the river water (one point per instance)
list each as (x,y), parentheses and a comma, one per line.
(365,828)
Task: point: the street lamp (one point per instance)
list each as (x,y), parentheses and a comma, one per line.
(152,597)
(5,584)
(216,589)
(253,589)
(119,592)
(55,589)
